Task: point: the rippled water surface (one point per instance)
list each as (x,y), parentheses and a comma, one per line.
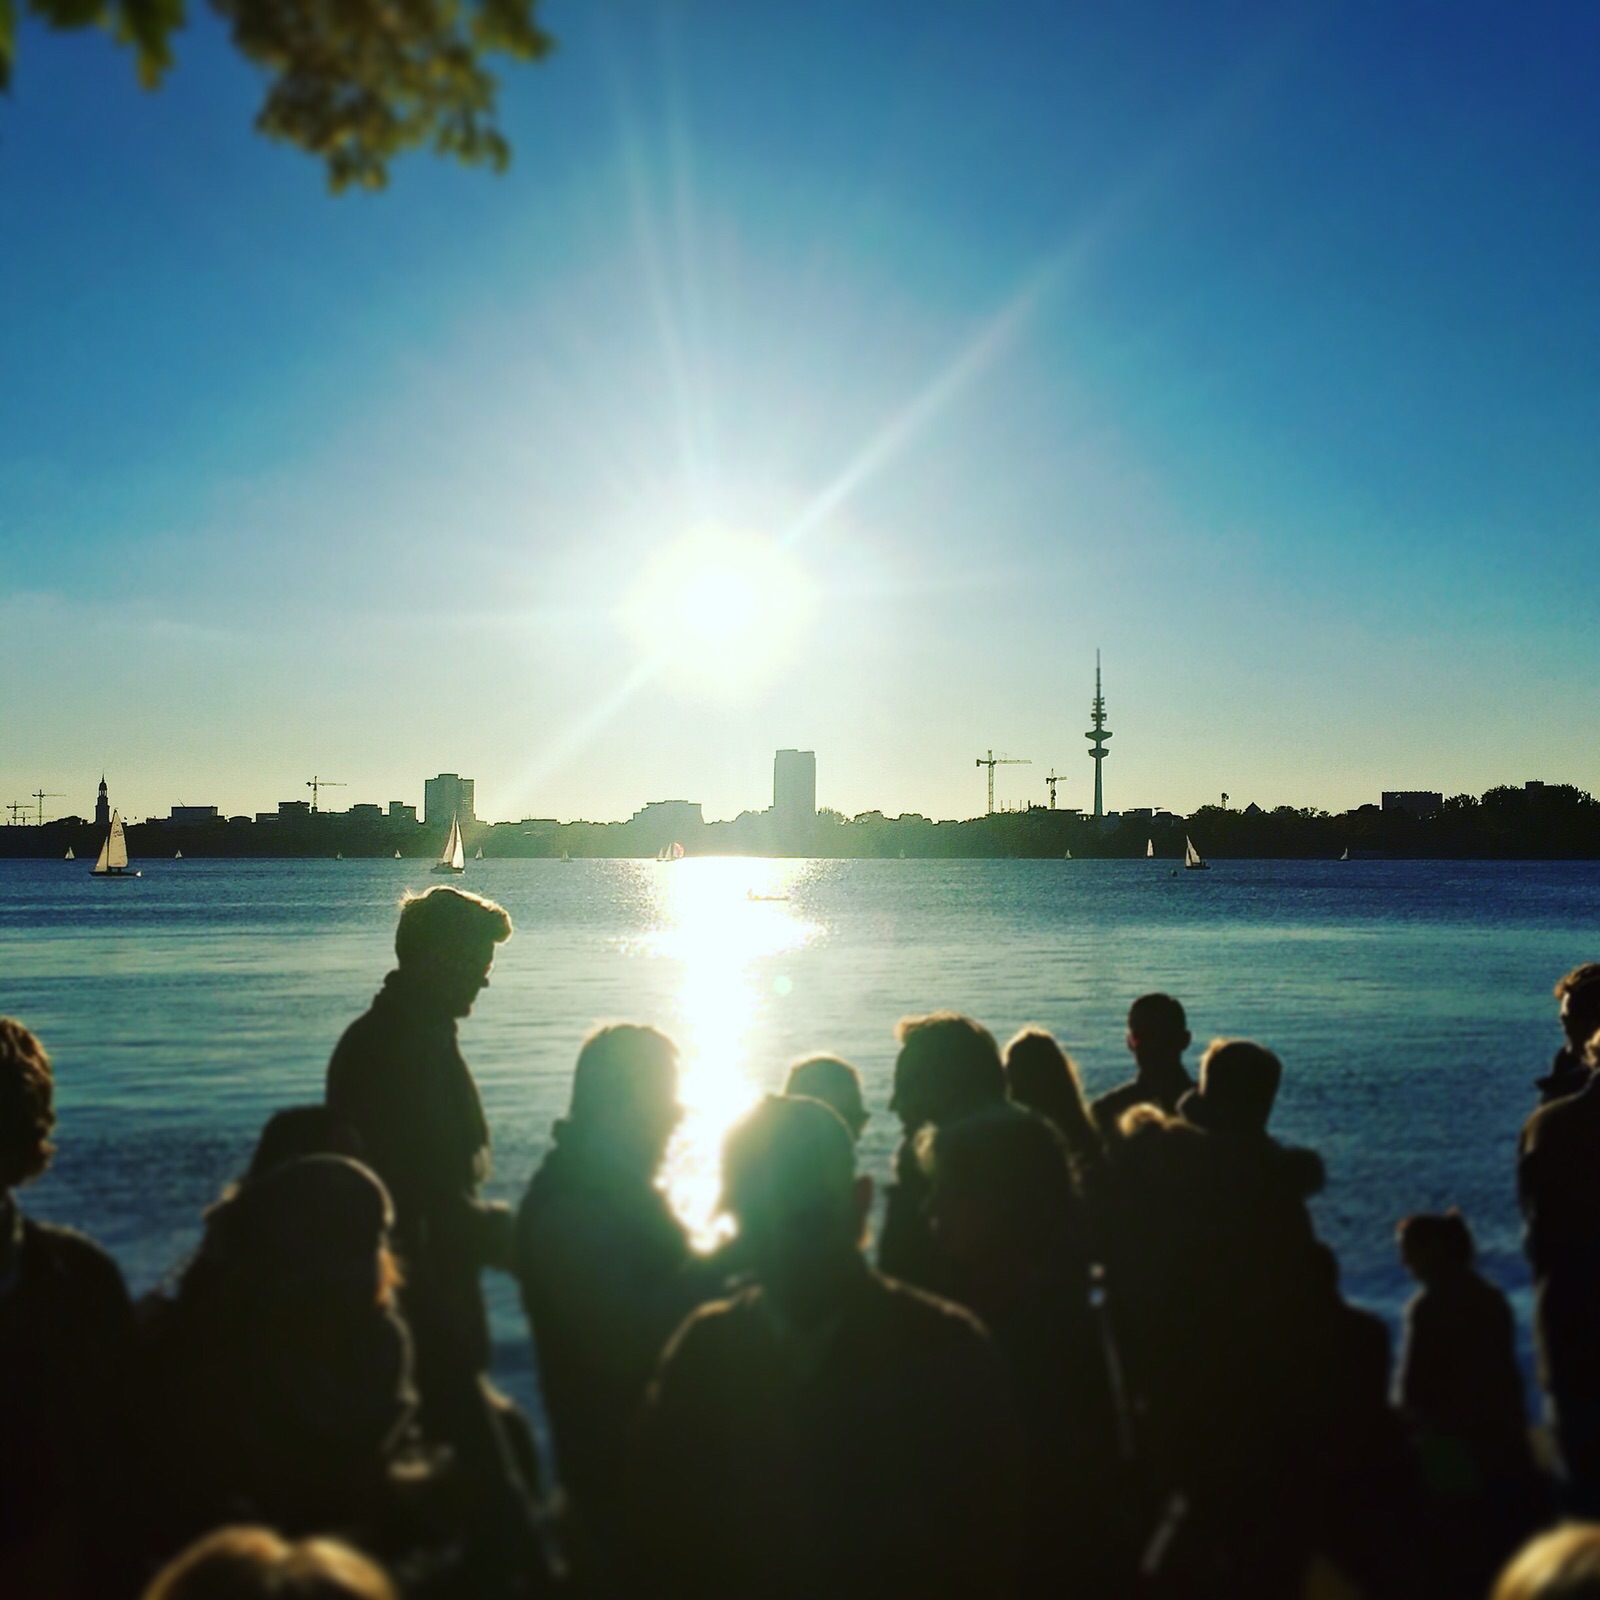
(1409,1000)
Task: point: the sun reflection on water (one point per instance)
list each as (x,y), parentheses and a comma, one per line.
(721,921)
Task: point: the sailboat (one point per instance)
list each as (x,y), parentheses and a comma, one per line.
(113,859)
(1346,855)
(454,858)
(1192,858)
(397,855)
(477,855)
(177,855)
(71,855)
(1150,849)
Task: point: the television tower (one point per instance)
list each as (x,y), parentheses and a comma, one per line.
(1097,736)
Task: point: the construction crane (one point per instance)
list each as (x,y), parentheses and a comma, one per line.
(991,761)
(41,795)
(314,784)
(1051,782)
(19,810)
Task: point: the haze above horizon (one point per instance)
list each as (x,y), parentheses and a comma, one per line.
(825,377)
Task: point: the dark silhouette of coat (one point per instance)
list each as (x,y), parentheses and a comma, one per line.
(606,1274)
(397,1077)
(66,1480)
(874,1456)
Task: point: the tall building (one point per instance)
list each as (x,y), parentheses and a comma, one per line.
(794,799)
(1097,736)
(445,797)
(102,806)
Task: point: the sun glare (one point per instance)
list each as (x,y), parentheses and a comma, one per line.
(723,612)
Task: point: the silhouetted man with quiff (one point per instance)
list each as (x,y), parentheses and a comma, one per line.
(1579,994)
(827,1431)
(397,1077)
(1158,1034)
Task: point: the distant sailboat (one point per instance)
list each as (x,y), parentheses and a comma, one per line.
(1150,849)
(1067,856)
(338,855)
(113,859)
(177,855)
(454,858)
(670,852)
(1346,855)
(1192,858)
(71,854)
(477,855)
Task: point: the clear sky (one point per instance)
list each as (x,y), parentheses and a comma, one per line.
(829,375)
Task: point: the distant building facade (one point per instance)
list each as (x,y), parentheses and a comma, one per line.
(102,806)
(1418,802)
(445,797)
(294,811)
(192,816)
(364,813)
(400,812)
(794,787)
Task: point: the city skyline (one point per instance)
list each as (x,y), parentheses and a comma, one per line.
(765,403)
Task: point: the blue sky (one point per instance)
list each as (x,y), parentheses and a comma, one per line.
(1256,345)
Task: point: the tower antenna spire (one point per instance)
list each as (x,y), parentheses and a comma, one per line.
(1097,736)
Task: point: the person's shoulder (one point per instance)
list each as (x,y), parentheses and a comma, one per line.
(1106,1108)
(932,1321)
(65,1255)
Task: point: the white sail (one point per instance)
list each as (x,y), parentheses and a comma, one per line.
(114,852)
(477,855)
(177,855)
(1346,855)
(1149,847)
(1191,856)
(72,854)
(454,858)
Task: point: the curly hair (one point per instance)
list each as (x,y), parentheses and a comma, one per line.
(27,1105)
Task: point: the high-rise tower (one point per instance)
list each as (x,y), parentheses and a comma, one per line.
(1097,736)
(102,806)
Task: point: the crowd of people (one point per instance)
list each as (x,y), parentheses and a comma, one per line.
(1101,1351)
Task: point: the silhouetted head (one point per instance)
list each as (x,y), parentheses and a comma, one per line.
(315,1229)
(1041,1076)
(835,1083)
(625,1092)
(1563,1565)
(246,1563)
(445,943)
(1238,1083)
(789,1181)
(1001,1186)
(1579,994)
(298,1131)
(1158,1030)
(27,1105)
(1435,1247)
(948,1067)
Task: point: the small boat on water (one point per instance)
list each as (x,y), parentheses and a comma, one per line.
(397,855)
(1345,855)
(454,858)
(477,855)
(670,852)
(1150,849)
(113,859)
(71,855)
(177,855)
(1067,856)
(338,855)
(1192,858)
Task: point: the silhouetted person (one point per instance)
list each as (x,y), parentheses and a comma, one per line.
(1563,1565)
(948,1068)
(65,1332)
(1579,994)
(1006,1212)
(278,1379)
(835,1083)
(1461,1391)
(605,1269)
(1042,1076)
(248,1563)
(1217,1288)
(1558,1184)
(298,1131)
(826,1432)
(397,1077)
(1158,1034)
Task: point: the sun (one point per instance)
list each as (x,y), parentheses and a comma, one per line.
(722,611)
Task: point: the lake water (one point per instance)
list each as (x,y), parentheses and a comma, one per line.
(1410,1002)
